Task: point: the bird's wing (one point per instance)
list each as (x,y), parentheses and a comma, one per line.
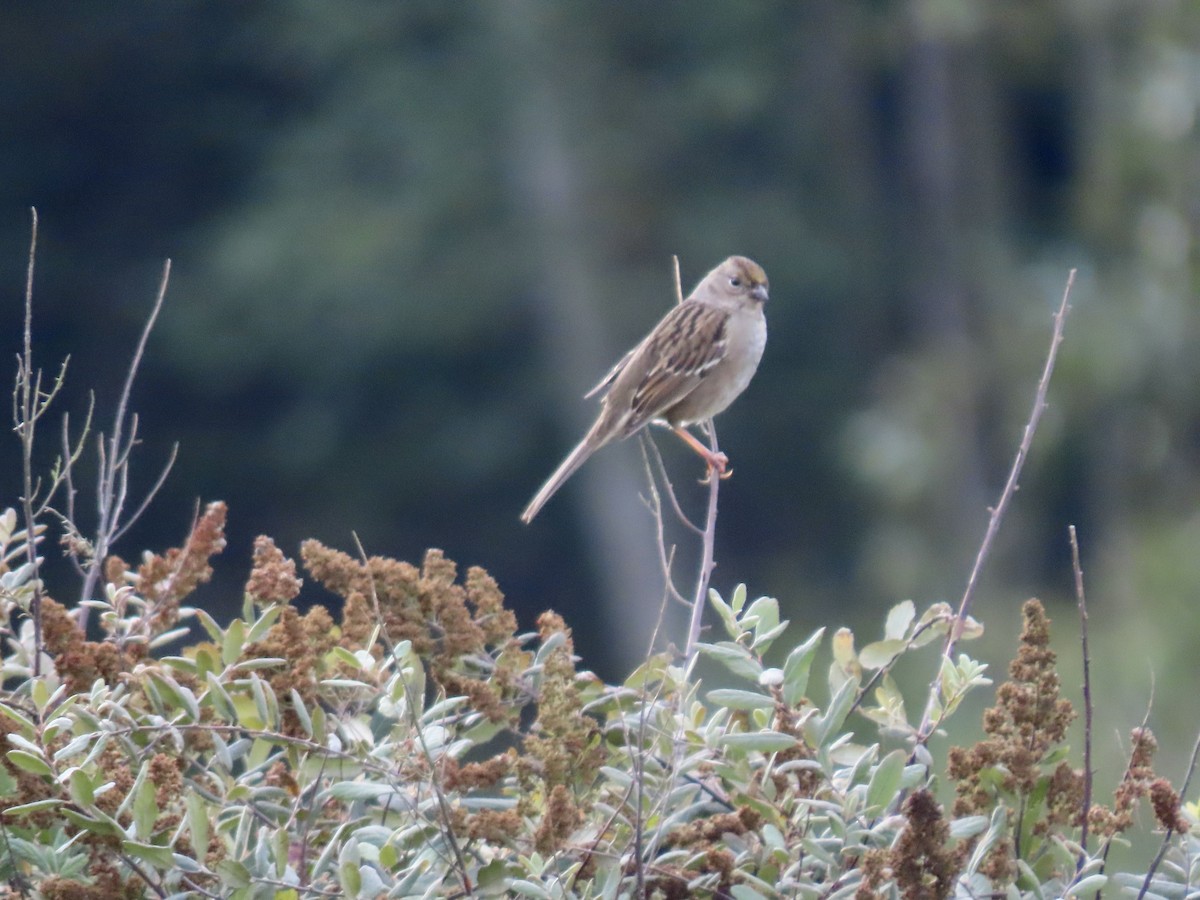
(612,374)
(681,350)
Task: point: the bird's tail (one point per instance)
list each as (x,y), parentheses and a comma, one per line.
(574,460)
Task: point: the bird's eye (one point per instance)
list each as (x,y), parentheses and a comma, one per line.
(735,281)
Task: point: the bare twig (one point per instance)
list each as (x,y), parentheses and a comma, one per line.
(707,561)
(638,758)
(150,494)
(998,511)
(70,456)
(1081,601)
(113,482)
(666,557)
(668,488)
(27,402)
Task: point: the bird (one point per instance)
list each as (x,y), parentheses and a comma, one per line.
(690,367)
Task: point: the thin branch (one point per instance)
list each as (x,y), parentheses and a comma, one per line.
(707,562)
(1081,602)
(997,512)
(639,760)
(29,390)
(70,456)
(136,362)
(669,488)
(113,482)
(666,558)
(151,494)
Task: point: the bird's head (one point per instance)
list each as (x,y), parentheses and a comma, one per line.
(740,276)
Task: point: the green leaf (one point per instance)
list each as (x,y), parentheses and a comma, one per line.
(995,832)
(162,857)
(23,743)
(34,807)
(762,616)
(206,660)
(1093,884)
(880,653)
(145,807)
(726,614)
(267,709)
(341,655)
(493,877)
(360,790)
(745,892)
(176,694)
(797,666)
(899,617)
(263,624)
(738,600)
(234,642)
(261,662)
(99,824)
(219,697)
(198,817)
(967,827)
(650,672)
(17,717)
(81,788)
(734,699)
(301,712)
(885,782)
(215,633)
(182,664)
(818,729)
(40,694)
(350,878)
(8,784)
(525,888)
(30,763)
(734,657)
(762,741)
(233,873)
(764,639)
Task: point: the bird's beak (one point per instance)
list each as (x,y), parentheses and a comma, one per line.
(759,293)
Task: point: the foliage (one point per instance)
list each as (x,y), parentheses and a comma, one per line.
(420,746)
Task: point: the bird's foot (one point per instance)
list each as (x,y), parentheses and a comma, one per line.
(716,462)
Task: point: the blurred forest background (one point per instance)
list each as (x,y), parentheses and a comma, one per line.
(408,236)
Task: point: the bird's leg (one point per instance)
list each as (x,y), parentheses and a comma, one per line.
(717,462)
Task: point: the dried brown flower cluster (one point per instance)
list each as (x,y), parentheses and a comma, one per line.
(562,750)
(163,581)
(272,575)
(1029,721)
(445,621)
(706,835)
(302,642)
(921,863)
(1139,781)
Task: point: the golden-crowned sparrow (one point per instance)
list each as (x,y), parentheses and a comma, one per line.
(689,368)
